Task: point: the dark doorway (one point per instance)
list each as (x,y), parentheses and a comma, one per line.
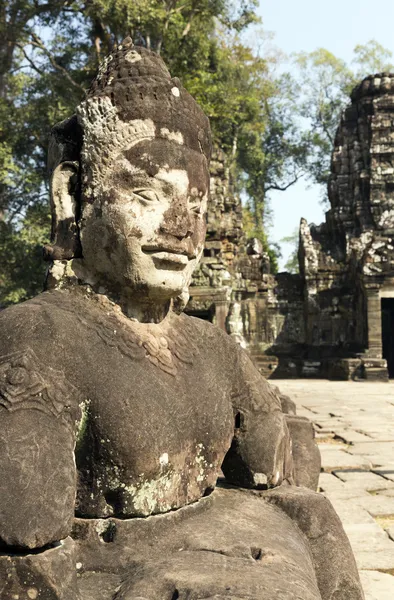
(205,315)
(388,333)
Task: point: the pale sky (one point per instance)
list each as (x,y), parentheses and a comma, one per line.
(304,25)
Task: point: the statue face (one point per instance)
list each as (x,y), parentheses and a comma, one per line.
(145,229)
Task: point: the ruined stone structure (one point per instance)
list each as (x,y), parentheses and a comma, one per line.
(347,263)
(335,319)
(119,413)
(233,286)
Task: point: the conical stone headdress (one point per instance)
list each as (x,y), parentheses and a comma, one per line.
(134,98)
(140,86)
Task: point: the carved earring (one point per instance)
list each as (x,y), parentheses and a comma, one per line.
(65,189)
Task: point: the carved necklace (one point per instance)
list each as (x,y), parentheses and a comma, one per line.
(162,344)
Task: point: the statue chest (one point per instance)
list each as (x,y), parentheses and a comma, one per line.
(157,422)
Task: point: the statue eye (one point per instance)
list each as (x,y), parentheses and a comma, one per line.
(146,196)
(194,202)
(195,205)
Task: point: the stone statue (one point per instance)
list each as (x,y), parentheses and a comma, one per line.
(118,412)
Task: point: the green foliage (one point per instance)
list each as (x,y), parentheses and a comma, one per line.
(371,58)
(322,91)
(273,156)
(22,271)
(292,265)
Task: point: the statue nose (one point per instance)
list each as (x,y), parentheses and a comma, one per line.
(177,221)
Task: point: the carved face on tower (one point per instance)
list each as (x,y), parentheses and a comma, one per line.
(145,177)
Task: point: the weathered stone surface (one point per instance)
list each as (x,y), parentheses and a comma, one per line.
(372,533)
(288,406)
(346,493)
(48,575)
(335,318)
(367,406)
(386,471)
(349,436)
(179,455)
(339,459)
(377,586)
(336,570)
(376,460)
(197,554)
(389,492)
(314,324)
(212,559)
(364,479)
(346,262)
(383,559)
(374,448)
(329,482)
(233,286)
(377,506)
(390,531)
(306,454)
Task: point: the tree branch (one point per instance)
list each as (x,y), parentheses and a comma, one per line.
(29,60)
(283,188)
(39,44)
(43,8)
(193,13)
(325,128)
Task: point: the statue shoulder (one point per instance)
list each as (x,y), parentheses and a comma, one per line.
(31,321)
(249,385)
(201,327)
(39,412)
(28,377)
(216,343)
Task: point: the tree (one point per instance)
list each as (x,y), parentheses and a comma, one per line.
(371,58)
(165,26)
(280,150)
(275,159)
(22,271)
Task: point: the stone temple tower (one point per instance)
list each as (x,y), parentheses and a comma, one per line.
(347,262)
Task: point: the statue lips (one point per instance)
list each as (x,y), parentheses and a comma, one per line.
(169,256)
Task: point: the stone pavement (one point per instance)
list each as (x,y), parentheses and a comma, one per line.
(354,424)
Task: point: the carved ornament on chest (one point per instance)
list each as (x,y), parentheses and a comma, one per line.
(163,345)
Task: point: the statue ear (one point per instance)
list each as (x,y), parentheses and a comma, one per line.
(65,192)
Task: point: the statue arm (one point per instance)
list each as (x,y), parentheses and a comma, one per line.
(38,473)
(260,453)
